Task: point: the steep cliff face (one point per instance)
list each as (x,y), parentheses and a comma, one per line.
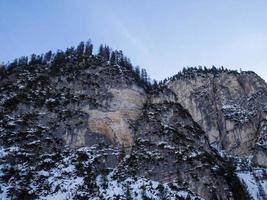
(173,149)
(125,106)
(104,94)
(49,111)
(230,108)
(89,128)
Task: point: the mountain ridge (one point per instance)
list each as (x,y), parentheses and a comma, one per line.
(99,122)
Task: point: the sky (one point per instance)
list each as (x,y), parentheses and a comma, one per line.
(162,36)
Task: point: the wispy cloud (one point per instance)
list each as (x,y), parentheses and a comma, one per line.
(138,43)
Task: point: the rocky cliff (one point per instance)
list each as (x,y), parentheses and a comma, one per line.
(83,126)
(229,106)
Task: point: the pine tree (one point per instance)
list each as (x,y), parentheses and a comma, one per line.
(128,64)
(113,59)
(47,57)
(184,70)
(80,49)
(205,69)
(59,58)
(70,51)
(155,84)
(2,70)
(23,61)
(101,50)
(213,69)
(88,48)
(107,52)
(144,75)
(33,60)
(58,61)
(119,57)
(137,71)
(104,52)
(148,81)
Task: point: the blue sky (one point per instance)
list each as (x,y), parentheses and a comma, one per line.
(160,35)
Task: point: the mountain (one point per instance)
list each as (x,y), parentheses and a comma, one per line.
(74,125)
(230,107)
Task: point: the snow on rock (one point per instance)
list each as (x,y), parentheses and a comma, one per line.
(236,112)
(255,183)
(139,188)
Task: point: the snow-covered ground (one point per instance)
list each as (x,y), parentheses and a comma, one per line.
(64,181)
(139,188)
(255,182)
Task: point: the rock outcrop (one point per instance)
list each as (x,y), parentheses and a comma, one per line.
(83,126)
(125,106)
(230,108)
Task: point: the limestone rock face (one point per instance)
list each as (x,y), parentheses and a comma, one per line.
(91,127)
(125,106)
(229,107)
(164,95)
(172,148)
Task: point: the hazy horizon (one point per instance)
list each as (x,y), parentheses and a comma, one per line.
(160,36)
